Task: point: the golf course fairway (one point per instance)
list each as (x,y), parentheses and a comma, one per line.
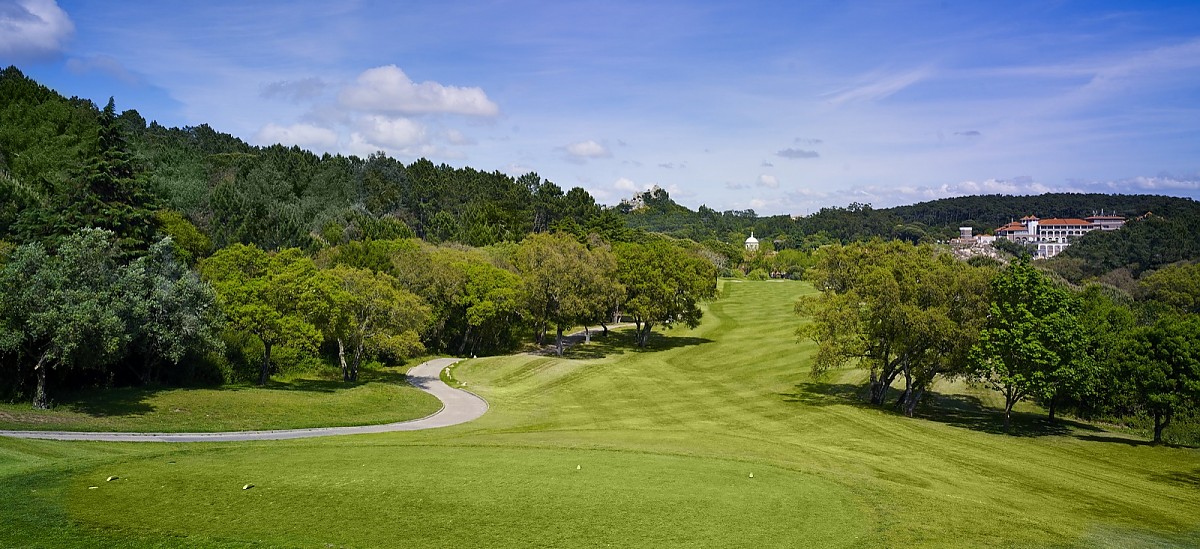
(712,437)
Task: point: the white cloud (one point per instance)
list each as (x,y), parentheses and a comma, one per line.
(736,186)
(33,28)
(304,135)
(397,133)
(583,150)
(768,180)
(880,87)
(387,89)
(627,185)
(758,203)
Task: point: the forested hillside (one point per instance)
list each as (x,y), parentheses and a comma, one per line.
(133,253)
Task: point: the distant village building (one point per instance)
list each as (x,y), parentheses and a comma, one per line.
(752,243)
(968,245)
(1052,236)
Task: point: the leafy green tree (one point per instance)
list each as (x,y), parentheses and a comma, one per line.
(1177,285)
(372,314)
(64,311)
(1033,341)
(1161,367)
(563,282)
(491,304)
(189,243)
(279,298)
(901,310)
(171,312)
(663,285)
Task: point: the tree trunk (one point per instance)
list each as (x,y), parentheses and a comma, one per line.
(605,326)
(910,405)
(40,401)
(1053,405)
(342,359)
(880,386)
(354,364)
(907,389)
(466,337)
(265,372)
(644,335)
(587,335)
(1008,405)
(558,342)
(1161,422)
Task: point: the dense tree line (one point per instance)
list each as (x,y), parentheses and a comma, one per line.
(914,313)
(135,253)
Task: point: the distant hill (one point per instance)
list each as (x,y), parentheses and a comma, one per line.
(990,211)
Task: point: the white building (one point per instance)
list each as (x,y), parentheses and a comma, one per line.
(1052,236)
(752,243)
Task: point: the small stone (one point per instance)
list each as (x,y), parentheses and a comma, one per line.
(248,486)
(92,487)
(112,478)
(751,475)
(578,467)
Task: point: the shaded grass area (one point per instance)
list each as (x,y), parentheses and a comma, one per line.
(665,440)
(382,396)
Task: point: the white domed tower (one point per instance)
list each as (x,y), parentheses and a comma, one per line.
(752,243)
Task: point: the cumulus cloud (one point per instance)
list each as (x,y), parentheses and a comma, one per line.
(758,203)
(304,135)
(32,29)
(388,89)
(768,180)
(397,133)
(584,150)
(797,153)
(103,64)
(627,185)
(295,90)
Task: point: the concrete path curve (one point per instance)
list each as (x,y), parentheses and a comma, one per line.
(458,406)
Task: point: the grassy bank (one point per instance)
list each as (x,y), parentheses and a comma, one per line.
(383,396)
(617,446)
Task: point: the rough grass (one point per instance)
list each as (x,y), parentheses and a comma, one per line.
(383,396)
(664,440)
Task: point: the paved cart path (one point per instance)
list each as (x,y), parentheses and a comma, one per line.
(458,406)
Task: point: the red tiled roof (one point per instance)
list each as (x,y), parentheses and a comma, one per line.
(1056,221)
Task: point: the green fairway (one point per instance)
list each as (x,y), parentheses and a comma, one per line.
(617,446)
(383,397)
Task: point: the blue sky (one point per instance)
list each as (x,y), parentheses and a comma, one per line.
(783,107)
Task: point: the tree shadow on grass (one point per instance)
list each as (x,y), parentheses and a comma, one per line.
(969,412)
(135,401)
(1187,478)
(122,401)
(619,342)
(964,411)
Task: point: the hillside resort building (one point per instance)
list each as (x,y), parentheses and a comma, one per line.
(1052,236)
